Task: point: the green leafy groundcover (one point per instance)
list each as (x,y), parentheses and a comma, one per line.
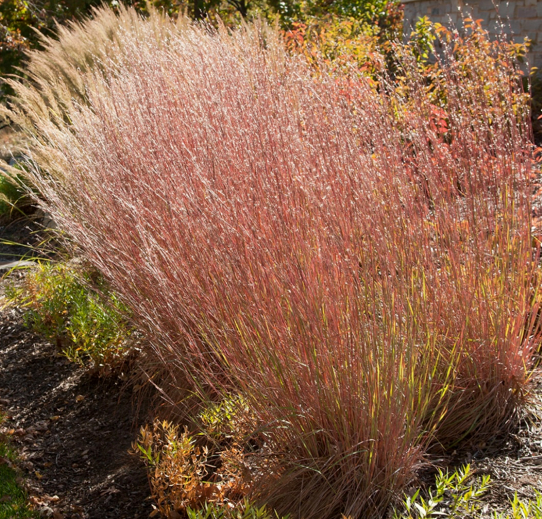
(63,307)
(13,499)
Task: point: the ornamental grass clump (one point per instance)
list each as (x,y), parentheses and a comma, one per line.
(358,275)
(55,75)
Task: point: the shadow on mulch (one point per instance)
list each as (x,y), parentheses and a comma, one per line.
(20,238)
(73,431)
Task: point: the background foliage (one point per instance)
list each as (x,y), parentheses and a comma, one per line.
(346,19)
(20,19)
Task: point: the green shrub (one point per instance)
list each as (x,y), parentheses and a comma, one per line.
(9,194)
(85,323)
(531,509)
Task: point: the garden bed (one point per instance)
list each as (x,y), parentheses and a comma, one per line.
(73,430)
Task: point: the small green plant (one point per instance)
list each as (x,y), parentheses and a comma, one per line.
(13,499)
(221,418)
(62,306)
(531,509)
(455,496)
(458,496)
(245,511)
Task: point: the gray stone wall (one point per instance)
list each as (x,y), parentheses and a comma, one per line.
(515,18)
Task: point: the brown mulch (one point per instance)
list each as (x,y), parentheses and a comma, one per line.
(73,431)
(514,461)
